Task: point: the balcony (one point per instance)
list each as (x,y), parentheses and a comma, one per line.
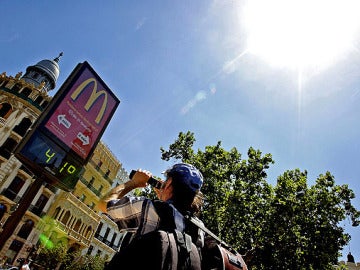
(81,212)
(67,198)
(73,234)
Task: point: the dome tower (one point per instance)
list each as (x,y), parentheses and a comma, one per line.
(45,73)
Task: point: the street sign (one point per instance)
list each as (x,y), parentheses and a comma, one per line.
(64,137)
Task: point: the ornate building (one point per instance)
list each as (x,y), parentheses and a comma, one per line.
(54,216)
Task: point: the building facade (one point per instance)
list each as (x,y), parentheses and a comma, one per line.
(54,216)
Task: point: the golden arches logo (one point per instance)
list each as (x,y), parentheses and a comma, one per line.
(95,95)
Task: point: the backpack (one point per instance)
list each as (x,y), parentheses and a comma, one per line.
(168,248)
(172,247)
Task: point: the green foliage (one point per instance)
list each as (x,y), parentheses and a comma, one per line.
(51,257)
(88,262)
(286,226)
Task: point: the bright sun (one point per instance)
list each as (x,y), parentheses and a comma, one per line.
(301,33)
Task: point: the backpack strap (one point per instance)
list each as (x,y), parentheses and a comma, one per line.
(170,217)
(173,222)
(184,240)
(173,251)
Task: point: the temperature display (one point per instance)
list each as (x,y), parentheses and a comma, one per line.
(49,159)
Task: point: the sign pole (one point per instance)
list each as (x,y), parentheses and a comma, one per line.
(14,219)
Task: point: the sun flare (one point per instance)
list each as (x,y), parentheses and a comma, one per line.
(301,33)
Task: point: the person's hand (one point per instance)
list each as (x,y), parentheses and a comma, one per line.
(140,178)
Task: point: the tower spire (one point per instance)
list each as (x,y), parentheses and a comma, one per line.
(57,59)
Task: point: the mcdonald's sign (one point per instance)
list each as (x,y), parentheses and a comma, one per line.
(65,135)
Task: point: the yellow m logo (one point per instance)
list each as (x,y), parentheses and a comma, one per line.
(95,95)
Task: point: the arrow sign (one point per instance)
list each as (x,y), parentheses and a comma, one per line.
(63,121)
(83,138)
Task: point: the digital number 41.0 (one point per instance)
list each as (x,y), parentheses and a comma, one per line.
(69,168)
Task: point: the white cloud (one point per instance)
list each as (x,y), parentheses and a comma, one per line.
(140,23)
(201,95)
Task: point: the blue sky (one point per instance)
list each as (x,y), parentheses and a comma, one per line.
(187,65)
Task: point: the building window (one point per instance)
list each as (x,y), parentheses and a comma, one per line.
(77,225)
(7,148)
(98,166)
(44,104)
(57,212)
(26,229)
(89,231)
(113,239)
(12,191)
(40,204)
(92,205)
(26,92)
(107,233)
(3,210)
(99,228)
(4,83)
(107,174)
(5,110)
(16,87)
(39,99)
(23,126)
(82,198)
(92,181)
(90,249)
(66,217)
(16,245)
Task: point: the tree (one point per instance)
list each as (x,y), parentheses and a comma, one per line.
(288,226)
(88,262)
(236,193)
(50,257)
(303,229)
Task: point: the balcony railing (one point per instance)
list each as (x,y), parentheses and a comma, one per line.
(79,205)
(24,97)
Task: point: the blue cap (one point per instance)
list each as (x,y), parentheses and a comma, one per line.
(187,175)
